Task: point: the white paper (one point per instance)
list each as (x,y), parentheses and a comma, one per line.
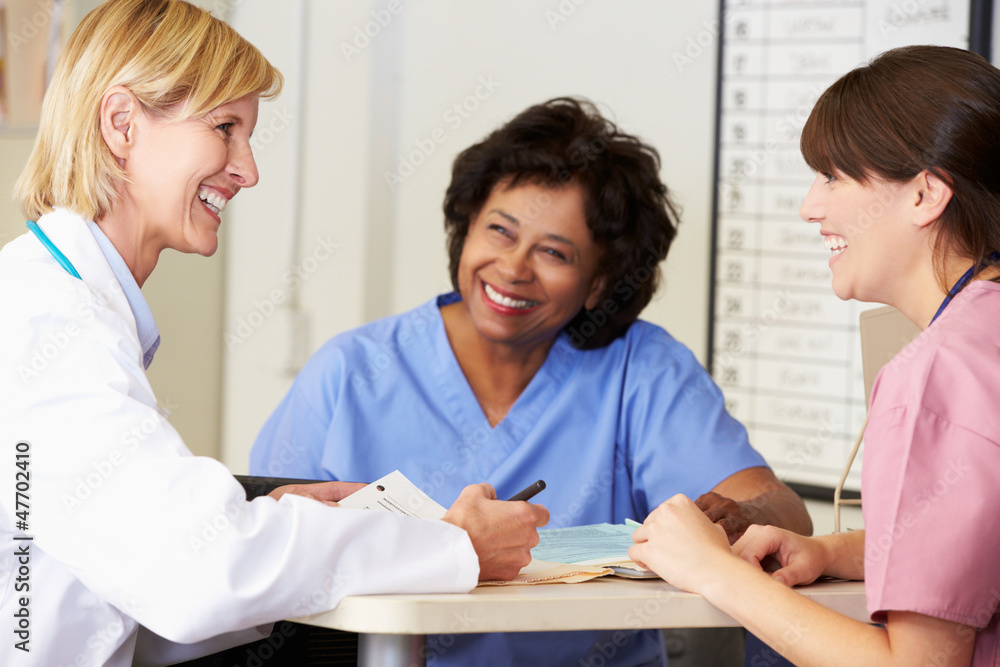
(395,493)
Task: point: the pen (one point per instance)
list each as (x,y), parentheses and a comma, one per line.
(529,492)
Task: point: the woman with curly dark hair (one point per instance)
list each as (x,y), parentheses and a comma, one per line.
(626,208)
(536,366)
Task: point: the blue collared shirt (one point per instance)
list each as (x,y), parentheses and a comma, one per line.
(149,335)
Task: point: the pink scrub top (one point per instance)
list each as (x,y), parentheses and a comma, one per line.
(931,476)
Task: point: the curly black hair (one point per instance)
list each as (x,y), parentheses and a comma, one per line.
(627,207)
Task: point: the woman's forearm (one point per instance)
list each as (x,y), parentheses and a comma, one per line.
(845,554)
(809,634)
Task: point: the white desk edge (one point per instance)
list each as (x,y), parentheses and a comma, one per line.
(602,604)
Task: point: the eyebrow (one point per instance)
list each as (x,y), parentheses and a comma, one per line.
(517,223)
(228,117)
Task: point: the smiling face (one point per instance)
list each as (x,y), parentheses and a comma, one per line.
(866,228)
(529,264)
(182,174)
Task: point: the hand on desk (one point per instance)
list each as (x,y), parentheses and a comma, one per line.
(325,492)
(754,496)
(725,512)
(681,544)
(801,559)
(502,532)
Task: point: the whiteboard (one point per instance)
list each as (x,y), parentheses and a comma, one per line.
(783,347)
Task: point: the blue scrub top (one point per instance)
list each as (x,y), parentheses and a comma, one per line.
(613,432)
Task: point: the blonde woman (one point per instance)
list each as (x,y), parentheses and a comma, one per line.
(144,140)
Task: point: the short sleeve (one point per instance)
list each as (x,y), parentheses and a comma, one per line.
(680,436)
(930,504)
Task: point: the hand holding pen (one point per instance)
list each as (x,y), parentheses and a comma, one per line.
(502,533)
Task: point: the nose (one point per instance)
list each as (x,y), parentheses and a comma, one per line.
(513,265)
(242,166)
(812,209)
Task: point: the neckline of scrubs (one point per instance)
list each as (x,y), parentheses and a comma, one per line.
(526,410)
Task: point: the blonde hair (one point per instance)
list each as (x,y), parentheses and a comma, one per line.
(178,60)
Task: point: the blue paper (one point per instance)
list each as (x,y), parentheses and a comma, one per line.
(583,543)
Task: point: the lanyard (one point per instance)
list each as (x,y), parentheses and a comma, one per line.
(53,250)
(962,282)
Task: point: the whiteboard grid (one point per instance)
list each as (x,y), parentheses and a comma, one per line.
(783,347)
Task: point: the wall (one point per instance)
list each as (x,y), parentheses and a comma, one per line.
(372,92)
(15,147)
(822,514)
(361,104)
(324,244)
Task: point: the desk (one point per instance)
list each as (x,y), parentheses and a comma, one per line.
(392,628)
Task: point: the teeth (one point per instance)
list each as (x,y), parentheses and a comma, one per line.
(502,300)
(213,200)
(835,243)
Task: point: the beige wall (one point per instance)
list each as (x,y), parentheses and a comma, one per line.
(821,513)
(186,296)
(15,147)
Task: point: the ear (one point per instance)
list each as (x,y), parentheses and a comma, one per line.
(118,113)
(596,290)
(932,196)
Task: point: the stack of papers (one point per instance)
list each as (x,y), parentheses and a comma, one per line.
(601,544)
(563,555)
(544,572)
(397,494)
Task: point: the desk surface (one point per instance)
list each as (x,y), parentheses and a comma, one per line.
(608,603)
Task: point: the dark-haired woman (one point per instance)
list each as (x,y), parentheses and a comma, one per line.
(907,197)
(536,366)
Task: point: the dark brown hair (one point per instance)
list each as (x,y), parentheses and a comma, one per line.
(920,108)
(627,208)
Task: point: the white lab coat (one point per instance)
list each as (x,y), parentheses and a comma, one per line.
(130,529)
